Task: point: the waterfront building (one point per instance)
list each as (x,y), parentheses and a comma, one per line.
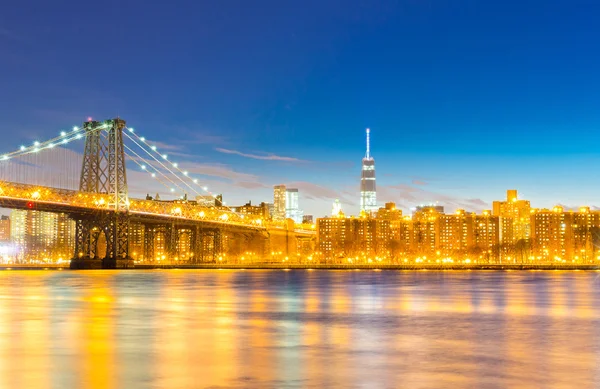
(517,210)
(425,230)
(559,235)
(333,237)
(42,235)
(361,239)
(484,235)
(453,233)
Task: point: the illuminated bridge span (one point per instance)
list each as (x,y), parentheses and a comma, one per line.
(41,177)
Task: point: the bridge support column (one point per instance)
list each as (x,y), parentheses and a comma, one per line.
(87,232)
(117,247)
(217,244)
(82,238)
(195,245)
(171,241)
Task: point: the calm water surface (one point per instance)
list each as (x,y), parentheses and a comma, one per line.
(295,329)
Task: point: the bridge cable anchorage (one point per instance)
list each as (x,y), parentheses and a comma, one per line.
(144,168)
(164,166)
(174,165)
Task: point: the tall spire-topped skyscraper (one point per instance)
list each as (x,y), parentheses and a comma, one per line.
(368,193)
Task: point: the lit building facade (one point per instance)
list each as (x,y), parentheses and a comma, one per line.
(368,189)
(42,235)
(4,229)
(261,210)
(292,209)
(453,233)
(484,235)
(517,210)
(559,235)
(425,231)
(135,240)
(428,235)
(360,239)
(279,195)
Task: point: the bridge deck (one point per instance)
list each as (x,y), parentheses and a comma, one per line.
(24,196)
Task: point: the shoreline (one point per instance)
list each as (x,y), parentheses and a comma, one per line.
(266,266)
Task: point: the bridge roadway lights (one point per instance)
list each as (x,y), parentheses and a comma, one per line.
(106,263)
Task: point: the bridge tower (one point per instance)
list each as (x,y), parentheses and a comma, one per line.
(103,171)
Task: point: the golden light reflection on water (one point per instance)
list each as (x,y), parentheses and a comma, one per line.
(188,329)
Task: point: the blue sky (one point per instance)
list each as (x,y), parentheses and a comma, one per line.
(465,99)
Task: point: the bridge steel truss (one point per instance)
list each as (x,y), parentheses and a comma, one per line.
(103,171)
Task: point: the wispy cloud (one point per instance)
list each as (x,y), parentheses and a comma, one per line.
(266,157)
(162,146)
(315,191)
(413,195)
(198,134)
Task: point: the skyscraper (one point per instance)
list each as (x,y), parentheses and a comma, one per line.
(279,194)
(368,194)
(292,210)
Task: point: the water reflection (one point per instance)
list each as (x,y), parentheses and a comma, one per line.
(189,329)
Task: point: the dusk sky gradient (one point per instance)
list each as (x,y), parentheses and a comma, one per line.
(464,99)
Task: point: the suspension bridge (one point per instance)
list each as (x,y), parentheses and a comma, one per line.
(92,189)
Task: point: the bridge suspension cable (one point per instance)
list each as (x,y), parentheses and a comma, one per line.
(61,140)
(174,165)
(62,167)
(144,166)
(164,166)
(35,165)
(141,141)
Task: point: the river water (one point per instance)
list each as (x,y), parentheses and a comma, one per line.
(299,329)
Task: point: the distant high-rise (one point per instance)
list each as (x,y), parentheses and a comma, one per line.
(368,194)
(336,210)
(292,209)
(279,193)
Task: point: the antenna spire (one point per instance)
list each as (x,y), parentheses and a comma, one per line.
(368,144)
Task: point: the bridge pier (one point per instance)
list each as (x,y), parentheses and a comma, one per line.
(115,227)
(105,263)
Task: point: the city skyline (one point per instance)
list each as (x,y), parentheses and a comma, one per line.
(449,126)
